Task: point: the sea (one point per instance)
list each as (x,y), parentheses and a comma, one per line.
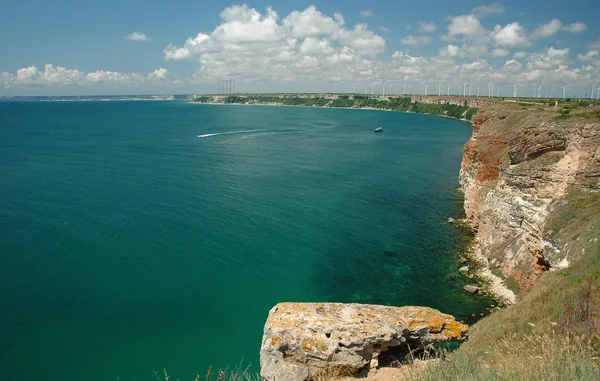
(143,237)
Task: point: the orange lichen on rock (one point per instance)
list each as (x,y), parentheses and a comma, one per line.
(302,339)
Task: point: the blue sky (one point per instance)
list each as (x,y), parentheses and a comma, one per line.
(117,47)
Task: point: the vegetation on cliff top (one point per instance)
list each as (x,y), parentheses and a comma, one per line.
(403,104)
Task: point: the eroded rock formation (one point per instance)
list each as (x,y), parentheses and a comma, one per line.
(517,166)
(301,340)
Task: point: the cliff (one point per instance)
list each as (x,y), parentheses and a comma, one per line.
(519,166)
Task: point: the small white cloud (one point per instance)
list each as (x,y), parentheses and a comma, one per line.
(590,55)
(575,27)
(416,40)
(137,36)
(465,26)
(174,53)
(512,35)
(158,74)
(512,66)
(594,45)
(366,13)
(450,51)
(383,29)
(426,27)
(499,52)
(488,10)
(546,30)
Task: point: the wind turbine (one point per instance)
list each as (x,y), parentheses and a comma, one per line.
(564,91)
(490,90)
(440,89)
(404,89)
(470,86)
(426,85)
(448,89)
(373,88)
(540,91)
(465,89)
(477,90)
(592,97)
(515,91)
(383,88)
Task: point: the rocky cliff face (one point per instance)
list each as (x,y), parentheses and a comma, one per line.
(516,168)
(303,340)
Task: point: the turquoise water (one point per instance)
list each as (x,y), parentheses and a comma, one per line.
(129,244)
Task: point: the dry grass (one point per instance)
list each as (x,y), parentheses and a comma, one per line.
(239,373)
(537,356)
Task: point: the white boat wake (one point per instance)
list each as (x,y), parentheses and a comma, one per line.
(229,133)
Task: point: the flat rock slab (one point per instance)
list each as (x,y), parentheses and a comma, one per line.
(301,340)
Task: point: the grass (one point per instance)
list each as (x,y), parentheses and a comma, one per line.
(553,333)
(536,356)
(239,373)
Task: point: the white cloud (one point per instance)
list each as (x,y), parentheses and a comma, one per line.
(594,45)
(53,76)
(512,35)
(102,76)
(512,66)
(488,10)
(589,56)
(32,76)
(366,13)
(254,46)
(426,27)
(417,40)
(575,27)
(464,26)
(450,51)
(551,59)
(310,23)
(137,36)
(383,29)
(500,52)
(546,30)
(159,74)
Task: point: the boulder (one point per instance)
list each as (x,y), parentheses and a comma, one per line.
(471,288)
(464,270)
(302,340)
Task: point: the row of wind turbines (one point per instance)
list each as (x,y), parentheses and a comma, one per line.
(466,90)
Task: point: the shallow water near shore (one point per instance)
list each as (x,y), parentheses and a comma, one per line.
(138,236)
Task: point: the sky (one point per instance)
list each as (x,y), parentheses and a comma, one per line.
(68,47)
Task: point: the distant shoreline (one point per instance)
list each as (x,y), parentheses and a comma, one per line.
(273,104)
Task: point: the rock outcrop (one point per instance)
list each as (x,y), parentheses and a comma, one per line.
(302,340)
(517,166)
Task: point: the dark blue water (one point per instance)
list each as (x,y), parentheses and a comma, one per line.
(129,244)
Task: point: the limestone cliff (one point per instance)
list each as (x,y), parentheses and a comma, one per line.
(518,165)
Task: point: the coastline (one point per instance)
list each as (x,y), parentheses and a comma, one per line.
(327,107)
(441,104)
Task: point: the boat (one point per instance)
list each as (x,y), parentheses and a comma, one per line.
(379,129)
